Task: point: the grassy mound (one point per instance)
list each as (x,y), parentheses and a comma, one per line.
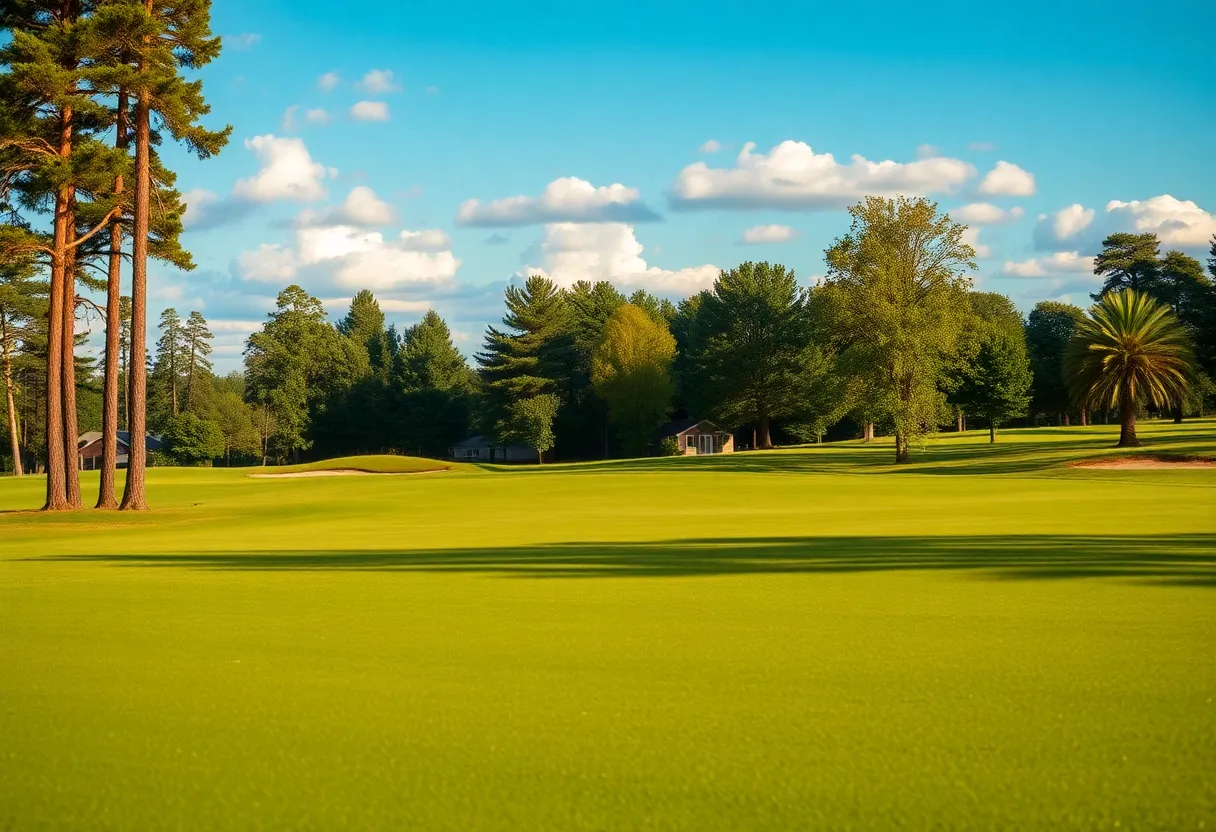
(370,464)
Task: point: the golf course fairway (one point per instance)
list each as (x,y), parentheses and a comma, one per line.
(987,638)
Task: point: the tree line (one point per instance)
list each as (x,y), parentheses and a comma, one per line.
(894,340)
(89,89)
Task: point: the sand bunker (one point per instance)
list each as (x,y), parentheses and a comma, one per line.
(347,472)
(1145,463)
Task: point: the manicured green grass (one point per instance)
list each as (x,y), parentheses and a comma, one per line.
(809,638)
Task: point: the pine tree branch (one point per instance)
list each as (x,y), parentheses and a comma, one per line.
(96,229)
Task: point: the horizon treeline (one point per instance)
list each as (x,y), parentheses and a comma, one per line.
(588,372)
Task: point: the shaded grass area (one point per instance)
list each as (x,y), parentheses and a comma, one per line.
(779,640)
(1169,558)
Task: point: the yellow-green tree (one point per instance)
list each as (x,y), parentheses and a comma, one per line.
(899,278)
(631,372)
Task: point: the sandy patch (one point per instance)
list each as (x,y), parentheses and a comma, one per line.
(346,472)
(1144,463)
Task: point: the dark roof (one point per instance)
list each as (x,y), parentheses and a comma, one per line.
(480,440)
(676,428)
(152,443)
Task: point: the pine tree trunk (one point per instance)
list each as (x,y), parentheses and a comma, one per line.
(1127,424)
(71,449)
(901,448)
(765,438)
(106,495)
(190,378)
(14,443)
(135,497)
(959,426)
(56,485)
(991,432)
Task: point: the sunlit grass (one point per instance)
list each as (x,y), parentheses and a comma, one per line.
(805,638)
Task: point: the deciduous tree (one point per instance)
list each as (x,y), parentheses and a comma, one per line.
(900,277)
(631,372)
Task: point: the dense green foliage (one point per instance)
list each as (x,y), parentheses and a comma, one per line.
(844,645)
(1130,350)
(631,372)
(190,440)
(901,293)
(1049,329)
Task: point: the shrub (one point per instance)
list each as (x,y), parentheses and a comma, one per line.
(670,446)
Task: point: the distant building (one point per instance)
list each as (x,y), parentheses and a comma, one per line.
(90,448)
(698,436)
(480,448)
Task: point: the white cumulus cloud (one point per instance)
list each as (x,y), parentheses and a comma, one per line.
(329,82)
(1061,262)
(317,115)
(361,208)
(268,263)
(768,234)
(1051,231)
(985,213)
(369,111)
(564,200)
(793,176)
(1176,222)
(971,236)
(1007,179)
(570,252)
(287,172)
(711,146)
(378,82)
(349,257)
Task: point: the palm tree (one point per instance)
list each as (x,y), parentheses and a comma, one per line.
(1128,351)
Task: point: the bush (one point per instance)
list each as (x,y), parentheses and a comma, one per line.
(193,441)
(670,446)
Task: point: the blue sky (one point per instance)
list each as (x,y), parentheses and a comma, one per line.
(647,143)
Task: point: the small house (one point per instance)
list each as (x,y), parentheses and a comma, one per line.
(481,448)
(698,436)
(90,449)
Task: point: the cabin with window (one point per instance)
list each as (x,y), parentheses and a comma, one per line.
(698,436)
(481,448)
(89,455)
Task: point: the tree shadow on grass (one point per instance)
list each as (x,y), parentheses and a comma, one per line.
(1174,559)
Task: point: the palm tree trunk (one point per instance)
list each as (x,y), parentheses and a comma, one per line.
(8,392)
(1127,424)
(134,497)
(109,417)
(71,450)
(1084,417)
(1177,413)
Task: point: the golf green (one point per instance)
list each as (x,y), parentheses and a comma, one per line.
(986,638)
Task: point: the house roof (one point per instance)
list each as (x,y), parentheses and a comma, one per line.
(88,438)
(683,426)
(481,441)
